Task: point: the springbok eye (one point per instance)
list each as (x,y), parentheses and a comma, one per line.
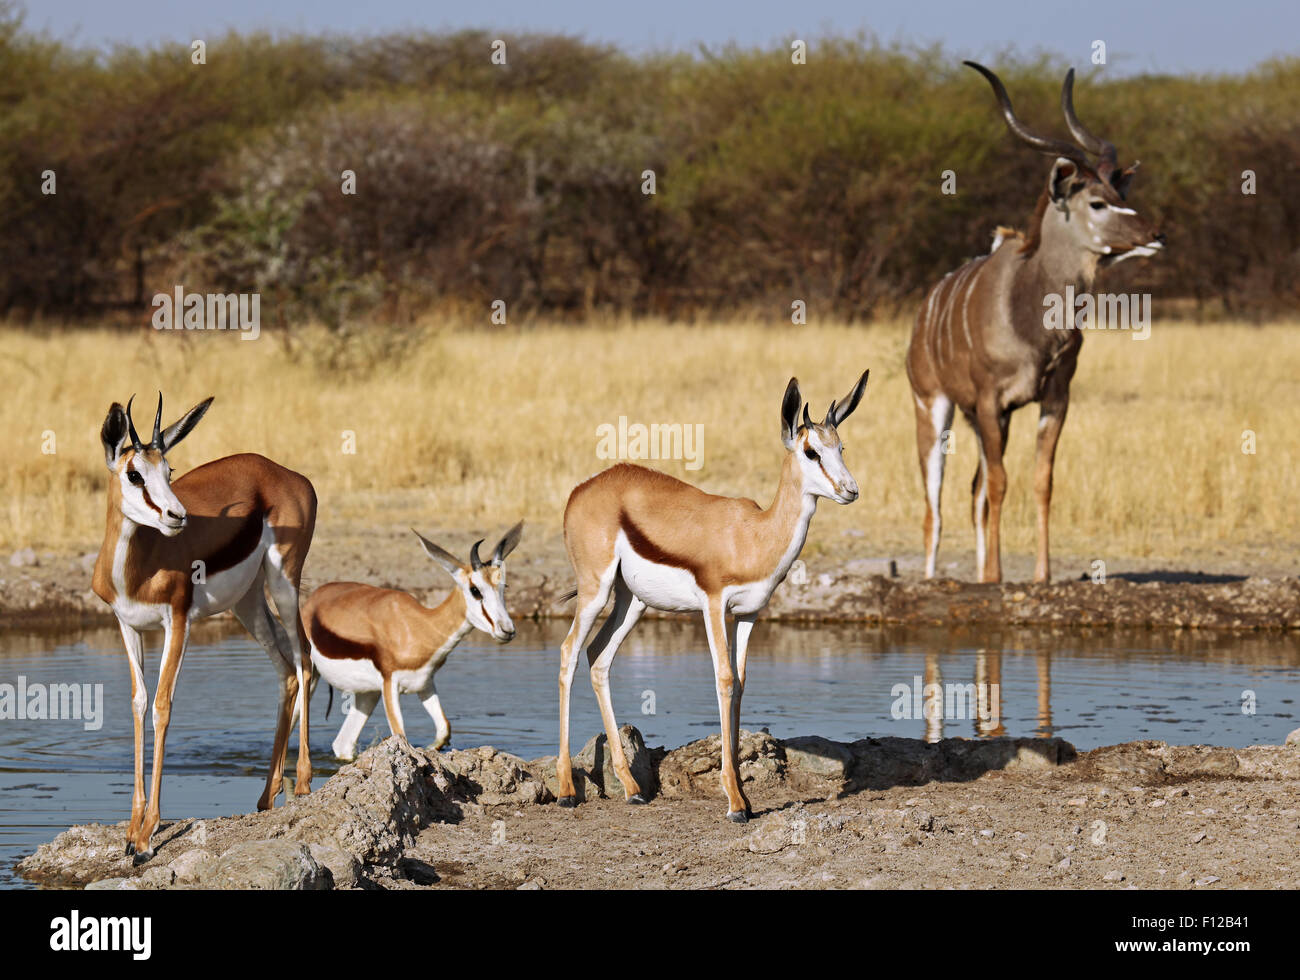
(811,453)
(473,590)
(1097,205)
(136,479)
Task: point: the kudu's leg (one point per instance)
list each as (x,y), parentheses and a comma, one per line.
(1051,420)
(627,610)
(139,701)
(176,632)
(933,420)
(715,622)
(992,425)
(592,595)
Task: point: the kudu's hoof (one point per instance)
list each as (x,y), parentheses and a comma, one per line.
(568,802)
(636,799)
(738,816)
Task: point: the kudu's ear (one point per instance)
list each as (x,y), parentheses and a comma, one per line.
(442,558)
(1123,180)
(508,543)
(179,429)
(1064,180)
(842,410)
(790,413)
(113,435)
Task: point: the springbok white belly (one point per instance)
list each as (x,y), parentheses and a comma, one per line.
(658,586)
(221,590)
(348,675)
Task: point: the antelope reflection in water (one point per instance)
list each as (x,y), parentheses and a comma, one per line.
(986,702)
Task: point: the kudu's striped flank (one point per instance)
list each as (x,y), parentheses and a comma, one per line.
(980,343)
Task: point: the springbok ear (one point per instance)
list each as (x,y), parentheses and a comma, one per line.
(790,413)
(1061,183)
(842,410)
(113,435)
(508,543)
(444,559)
(179,429)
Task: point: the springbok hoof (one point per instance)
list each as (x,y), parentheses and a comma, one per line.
(568,802)
(141,857)
(130,848)
(636,799)
(738,816)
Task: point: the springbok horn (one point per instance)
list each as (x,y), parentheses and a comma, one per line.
(830,415)
(807,422)
(157,442)
(507,544)
(1042,144)
(130,425)
(1107,158)
(475,562)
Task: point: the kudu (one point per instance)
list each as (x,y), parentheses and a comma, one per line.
(981,344)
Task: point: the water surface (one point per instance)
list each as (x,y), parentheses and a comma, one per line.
(844,682)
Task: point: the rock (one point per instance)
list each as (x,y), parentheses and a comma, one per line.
(264,865)
(1048,854)
(695,769)
(495,778)
(584,784)
(374,807)
(595,760)
(24,558)
(112,885)
(194,865)
(1294,738)
(161,876)
(1112,876)
(771,835)
(343,867)
(819,757)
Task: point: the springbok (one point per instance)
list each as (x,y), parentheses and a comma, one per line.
(652,540)
(372,642)
(177,552)
(981,344)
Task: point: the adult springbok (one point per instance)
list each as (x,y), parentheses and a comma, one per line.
(177,552)
(652,540)
(981,344)
(377,642)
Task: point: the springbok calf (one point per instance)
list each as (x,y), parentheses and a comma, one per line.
(374,642)
(652,540)
(177,552)
(980,342)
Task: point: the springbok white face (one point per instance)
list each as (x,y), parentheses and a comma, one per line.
(816,446)
(483,584)
(142,471)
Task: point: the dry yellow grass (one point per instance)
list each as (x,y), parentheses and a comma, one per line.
(476,427)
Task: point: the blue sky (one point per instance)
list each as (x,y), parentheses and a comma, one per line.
(1186,36)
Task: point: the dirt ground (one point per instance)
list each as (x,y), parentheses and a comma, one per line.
(1059,829)
(833,583)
